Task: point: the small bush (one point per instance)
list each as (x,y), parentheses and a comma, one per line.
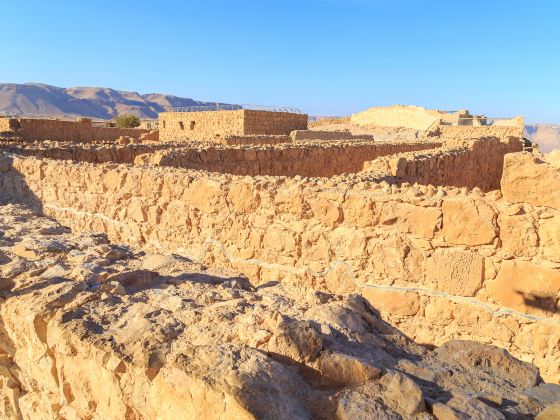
(127,121)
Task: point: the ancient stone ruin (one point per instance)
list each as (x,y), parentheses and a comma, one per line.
(231,265)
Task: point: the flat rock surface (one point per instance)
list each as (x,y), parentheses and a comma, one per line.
(90,329)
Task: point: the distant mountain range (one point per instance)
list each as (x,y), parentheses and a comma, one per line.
(547,136)
(35,99)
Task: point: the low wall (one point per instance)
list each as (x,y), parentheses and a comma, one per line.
(35,129)
(327,135)
(244,140)
(310,160)
(478,163)
(86,153)
(440,263)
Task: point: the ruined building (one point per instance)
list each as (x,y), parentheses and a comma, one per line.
(212,125)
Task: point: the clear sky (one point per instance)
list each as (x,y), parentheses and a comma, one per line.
(327,57)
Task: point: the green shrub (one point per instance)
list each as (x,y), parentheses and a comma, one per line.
(127,121)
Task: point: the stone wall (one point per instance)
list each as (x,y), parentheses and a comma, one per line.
(6,125)
(273,123)
(244,140)
(202,125)
(529,179)
(478,163)
(215,125)
(439,263)
(305,159)
(328,135)
(87,152)
(35,129)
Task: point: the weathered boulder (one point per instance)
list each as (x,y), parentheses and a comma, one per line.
(402,393)
(341,369)
(296,341)
(495,361)
(472,408)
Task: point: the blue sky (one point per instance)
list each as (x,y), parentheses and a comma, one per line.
(327,57)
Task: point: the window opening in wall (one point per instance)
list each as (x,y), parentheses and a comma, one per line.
(192,125)
(163,123)
(181,125)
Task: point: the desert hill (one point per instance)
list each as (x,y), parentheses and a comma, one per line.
(96,102)
(547,136)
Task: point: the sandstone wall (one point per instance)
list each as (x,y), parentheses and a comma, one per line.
(91,153)
(35,129)
(215,125)
(529,179)
(272,123)
(328,135)
(311,160)
(6,125)
(440,263)
(200,125)
(477,163)
(262,139)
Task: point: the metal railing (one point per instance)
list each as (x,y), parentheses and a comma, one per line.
(228,107)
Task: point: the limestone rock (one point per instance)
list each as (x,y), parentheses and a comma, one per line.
(495,361)
(403,393)
(468,222)
(454,271)
(296,340)
(526,287)
(551,412)
(473,409)
(527,179)
(340,369)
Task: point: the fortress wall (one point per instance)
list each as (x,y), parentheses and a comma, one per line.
(82,131)
(204,125)
(439,263)
(272,123)
(310,160)
(477,163)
